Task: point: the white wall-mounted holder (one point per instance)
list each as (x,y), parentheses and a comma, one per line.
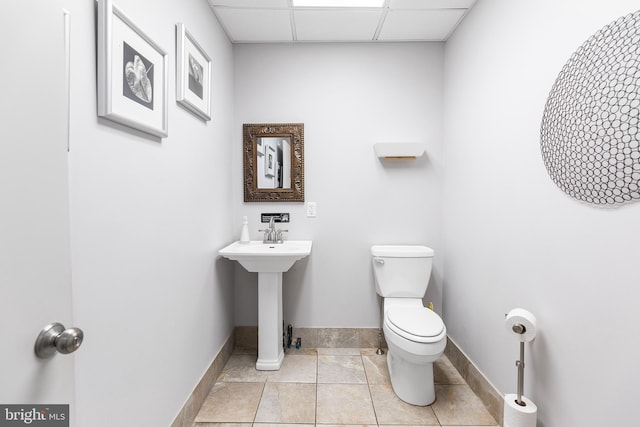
(398,150)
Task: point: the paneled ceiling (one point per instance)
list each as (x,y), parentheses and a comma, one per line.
(280,21)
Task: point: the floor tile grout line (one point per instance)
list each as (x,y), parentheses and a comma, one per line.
(431,406)
(375,413)
(264,385)
(434,412)
(315,418)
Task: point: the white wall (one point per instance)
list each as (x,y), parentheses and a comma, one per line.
(348,96)
(147,219)
(514,239)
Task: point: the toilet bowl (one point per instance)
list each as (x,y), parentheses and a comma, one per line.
(416,335)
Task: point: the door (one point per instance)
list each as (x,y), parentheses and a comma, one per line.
(35,276)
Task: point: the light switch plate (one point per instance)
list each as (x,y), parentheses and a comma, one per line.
(311,209)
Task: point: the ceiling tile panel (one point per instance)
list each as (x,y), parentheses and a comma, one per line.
(431,4)
(255,25)
(269,4)
(401,25)
(335,25)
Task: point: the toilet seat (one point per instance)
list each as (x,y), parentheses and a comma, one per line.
(418,324)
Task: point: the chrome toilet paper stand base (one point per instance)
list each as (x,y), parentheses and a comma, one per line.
(520,329)
(520,365)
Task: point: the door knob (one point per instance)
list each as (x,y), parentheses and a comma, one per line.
(55,338)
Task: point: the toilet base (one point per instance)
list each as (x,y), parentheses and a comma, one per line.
(412,383)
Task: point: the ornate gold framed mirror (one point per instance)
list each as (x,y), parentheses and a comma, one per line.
(273,162)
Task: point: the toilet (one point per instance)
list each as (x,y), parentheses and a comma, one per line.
(416,336)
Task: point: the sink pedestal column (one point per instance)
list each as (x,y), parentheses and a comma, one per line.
(270,351)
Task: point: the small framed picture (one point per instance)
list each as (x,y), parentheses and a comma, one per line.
(269,160)
(193,74)
(132,73)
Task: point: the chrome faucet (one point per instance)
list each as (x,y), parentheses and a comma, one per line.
(271,235)
(271,231)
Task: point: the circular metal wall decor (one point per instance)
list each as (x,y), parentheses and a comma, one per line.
(590,133)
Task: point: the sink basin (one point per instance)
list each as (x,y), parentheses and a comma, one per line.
(259,257)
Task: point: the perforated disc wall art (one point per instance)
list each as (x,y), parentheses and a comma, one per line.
(590,137)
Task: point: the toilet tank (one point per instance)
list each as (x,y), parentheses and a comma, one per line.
(401,271)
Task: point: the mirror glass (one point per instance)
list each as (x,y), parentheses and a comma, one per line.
(275,170)
(273,162)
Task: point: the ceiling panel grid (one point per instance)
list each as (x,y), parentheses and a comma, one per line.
(281,21)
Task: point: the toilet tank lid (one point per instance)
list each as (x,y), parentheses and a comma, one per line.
(401,251)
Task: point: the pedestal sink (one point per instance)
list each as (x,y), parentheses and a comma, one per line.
(269,261)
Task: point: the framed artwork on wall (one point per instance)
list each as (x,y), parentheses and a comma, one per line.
(132,73)
(193,74)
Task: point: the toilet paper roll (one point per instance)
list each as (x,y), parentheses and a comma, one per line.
(519,416)
(522,317)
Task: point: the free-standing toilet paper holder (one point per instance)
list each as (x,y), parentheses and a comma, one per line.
(518,410)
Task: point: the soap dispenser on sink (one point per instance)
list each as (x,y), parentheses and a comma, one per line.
(244,234)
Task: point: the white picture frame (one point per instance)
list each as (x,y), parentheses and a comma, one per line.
(132,73)
(193,74)
(269,161)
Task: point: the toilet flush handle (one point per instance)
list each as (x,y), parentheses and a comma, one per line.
(378,261)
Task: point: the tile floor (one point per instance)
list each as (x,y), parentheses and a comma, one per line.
(331,387)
